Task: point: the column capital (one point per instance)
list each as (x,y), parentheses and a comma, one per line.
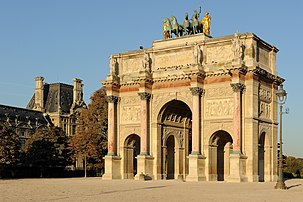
(112,99)
(196,91)
(144,95)
(237,87)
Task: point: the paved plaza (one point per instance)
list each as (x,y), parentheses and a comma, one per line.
(95,189)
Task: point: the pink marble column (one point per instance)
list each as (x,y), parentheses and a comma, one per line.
(196,92)
(237,88)
(111,125)
(144,122)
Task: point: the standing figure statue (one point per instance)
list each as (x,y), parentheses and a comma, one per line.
(206,24)
(146,62)
(113,65)
(195,21)
(237,47)
(166,29)
(197,54)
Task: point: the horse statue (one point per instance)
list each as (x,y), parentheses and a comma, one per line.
(167,29)
(187,26)
(176,28)
(196,25)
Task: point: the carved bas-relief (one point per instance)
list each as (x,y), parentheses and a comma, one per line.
(222,108)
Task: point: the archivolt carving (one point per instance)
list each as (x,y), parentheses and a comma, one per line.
(159,100)
(126,131)
(219,92)
(130,114)
(212,127)
(219,108)
(178,134)
(219,54)
(267,129)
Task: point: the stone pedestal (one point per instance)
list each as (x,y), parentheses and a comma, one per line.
(145,167)
(196,168)
(237,168)
(112,168)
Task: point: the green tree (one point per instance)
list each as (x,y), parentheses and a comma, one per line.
(293,165)
(9,147)
(90,141)
(47,148)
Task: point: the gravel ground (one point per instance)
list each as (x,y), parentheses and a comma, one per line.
(96,189)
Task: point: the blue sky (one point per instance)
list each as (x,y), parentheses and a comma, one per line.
(63,39)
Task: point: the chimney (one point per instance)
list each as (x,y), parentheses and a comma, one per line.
(77,91)
(39,94)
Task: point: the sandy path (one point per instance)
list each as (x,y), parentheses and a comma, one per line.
(95,189)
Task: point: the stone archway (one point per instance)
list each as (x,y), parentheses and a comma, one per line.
(219,150)
(170,157)
(261,157)
(131,151)
(264,158)
(175,121)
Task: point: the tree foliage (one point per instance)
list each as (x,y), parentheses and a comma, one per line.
(9,146)
(47,148)
(90,140)
(294,165)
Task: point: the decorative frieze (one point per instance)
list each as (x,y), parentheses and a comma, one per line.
(130,114)
(112,99)
(219,54)
(223,108)
(131,100)
(219,92)
(196,91)
(237,87)
(144,96)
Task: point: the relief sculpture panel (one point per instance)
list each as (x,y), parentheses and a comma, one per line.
(130,114)
(222,108)
(173,59)
(131,65)
(265,95)
(219,54)
(265,110)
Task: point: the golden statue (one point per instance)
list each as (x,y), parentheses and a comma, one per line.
(206,23)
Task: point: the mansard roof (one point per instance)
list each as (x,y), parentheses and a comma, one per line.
(16,116)
(57,96)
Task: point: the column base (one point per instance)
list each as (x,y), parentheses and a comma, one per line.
(144,167)
(212,177)
(112,167)
(280,185)
(196,168)
(237,168)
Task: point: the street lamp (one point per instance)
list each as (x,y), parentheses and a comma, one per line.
(282,95)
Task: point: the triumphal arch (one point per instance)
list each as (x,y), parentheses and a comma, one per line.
(194,108)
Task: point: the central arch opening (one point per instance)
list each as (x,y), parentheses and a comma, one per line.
(175,120)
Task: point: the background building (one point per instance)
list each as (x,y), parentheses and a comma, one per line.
(59,101)
(52,104)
